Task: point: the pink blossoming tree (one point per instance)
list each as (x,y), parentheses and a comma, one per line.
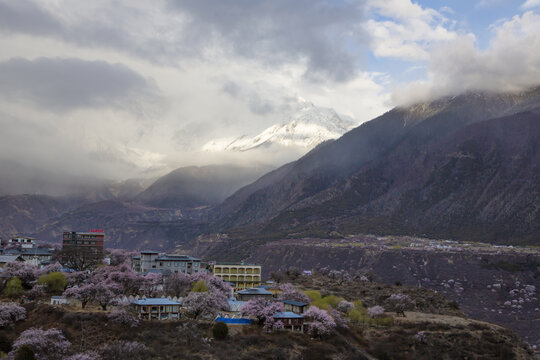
(205,304)
(10,313)
(321,323)
(47,344)
(290,292)
(375,311)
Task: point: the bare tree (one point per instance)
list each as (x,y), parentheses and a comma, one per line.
(79,258)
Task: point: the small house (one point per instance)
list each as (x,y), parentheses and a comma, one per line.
(58,300)
(8,259)
(157,308)
(297,307)
(254,293)
(274,289)
(233,316)
(290,320)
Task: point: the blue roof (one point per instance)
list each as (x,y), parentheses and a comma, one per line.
(295,303)
(254,291)
(235,305)
(266,287)
(287,315)
(155,301)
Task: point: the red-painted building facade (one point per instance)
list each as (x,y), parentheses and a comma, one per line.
(90,240)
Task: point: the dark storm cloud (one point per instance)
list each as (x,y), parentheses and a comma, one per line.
(62,84)
(326,34)
(27,18)
(105,27)
(276,31)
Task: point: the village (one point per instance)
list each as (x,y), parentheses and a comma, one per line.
(157,286)
(134,290)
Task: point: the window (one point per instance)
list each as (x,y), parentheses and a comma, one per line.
(176,264)
(169,264)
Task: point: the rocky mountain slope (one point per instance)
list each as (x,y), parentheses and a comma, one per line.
(307,127)
(25,214)
(414,162)
(194,186)
(489,283)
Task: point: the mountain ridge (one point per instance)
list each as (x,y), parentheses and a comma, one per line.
(307,127)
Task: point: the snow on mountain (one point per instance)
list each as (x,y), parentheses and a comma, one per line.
(305,128)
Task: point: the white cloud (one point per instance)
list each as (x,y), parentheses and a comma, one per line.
(510,63)
(529,4)
(405,30)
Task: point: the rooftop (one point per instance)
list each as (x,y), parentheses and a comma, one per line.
(235,264)
(173,257)
(254,291)
(9,258)
(34,251)
(295,303)
(287,315)
(84,233)
(155,301)
(235,305)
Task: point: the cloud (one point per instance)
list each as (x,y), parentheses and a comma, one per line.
(529,4)
(510,63)
(405,30)
(63,84)
(322,33)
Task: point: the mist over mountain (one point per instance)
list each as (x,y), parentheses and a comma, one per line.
(193,186)
(305,128)
(370,160)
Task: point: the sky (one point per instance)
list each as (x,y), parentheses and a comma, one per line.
(134,88)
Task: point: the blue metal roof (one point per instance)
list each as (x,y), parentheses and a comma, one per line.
(295,303)
(254,291)
(155,301)
(287,315)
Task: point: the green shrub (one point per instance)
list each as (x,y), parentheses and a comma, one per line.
(220,330)
(13,288)
(199,286)
(25,352)
(332,300)
(382,321)
(55,282)
(313,295)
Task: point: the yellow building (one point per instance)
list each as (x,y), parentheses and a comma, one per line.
(243,276)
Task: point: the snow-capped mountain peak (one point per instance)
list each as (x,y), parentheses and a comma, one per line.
(306,127)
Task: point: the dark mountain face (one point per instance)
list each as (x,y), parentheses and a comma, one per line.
(370,161)
(480,183)
(193,186)
(26,213)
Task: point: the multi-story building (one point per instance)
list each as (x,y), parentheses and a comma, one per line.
(243,276)
(84,240)
(22,241)
(152,260)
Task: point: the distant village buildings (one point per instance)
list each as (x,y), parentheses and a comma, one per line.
(297,307)
(153,261)
(92,241)
(254,293)
(290,320)
(243,276)
(7,259)
(157,308)
(22,241)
